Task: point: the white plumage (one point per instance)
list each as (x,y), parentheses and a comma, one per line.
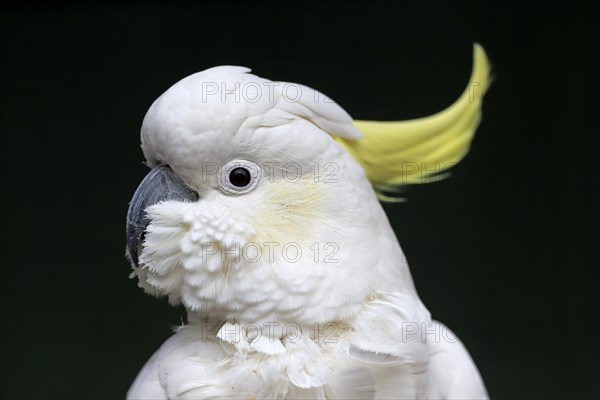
(296,288)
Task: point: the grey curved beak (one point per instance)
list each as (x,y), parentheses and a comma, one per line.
(159,185)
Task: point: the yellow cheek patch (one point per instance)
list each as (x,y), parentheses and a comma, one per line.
(290,209)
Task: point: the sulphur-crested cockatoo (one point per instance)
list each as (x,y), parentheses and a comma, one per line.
(261,216)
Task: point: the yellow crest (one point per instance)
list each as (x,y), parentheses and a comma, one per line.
(398,153)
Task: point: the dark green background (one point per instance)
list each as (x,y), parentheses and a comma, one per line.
(495,251)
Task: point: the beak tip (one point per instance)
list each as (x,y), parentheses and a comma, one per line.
(131,252)
(132,258)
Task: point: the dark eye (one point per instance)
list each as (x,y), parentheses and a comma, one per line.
(240,177)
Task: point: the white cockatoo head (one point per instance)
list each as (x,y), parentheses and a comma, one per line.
(260,205)
(252,211)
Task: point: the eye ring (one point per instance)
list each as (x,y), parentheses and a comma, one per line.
(240,176)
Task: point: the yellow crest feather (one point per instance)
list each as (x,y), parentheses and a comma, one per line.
(397,153)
